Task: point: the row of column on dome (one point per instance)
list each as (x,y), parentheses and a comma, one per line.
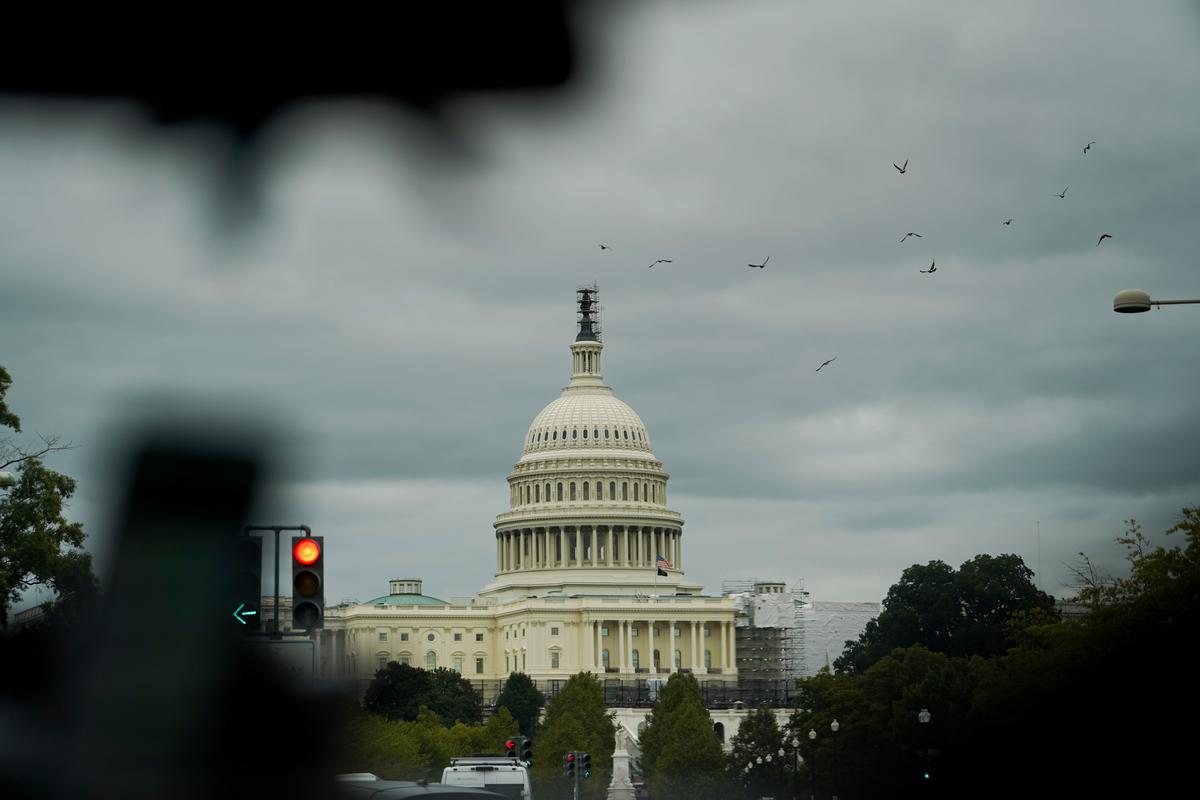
(662,646)
(588,545)
(526,492)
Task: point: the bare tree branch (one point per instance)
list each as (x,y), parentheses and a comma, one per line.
(16,453)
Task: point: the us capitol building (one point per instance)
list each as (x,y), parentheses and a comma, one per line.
(589,564)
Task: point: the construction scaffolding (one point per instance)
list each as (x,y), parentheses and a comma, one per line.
(769,629)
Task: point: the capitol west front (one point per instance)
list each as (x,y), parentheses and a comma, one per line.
(576,583)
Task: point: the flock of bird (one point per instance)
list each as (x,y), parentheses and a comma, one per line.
(903,170)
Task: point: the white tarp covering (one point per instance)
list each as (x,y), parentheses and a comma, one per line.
(827,625)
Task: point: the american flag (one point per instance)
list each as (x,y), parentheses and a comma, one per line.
(662,563)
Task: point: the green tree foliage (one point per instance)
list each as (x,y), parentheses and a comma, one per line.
(959,613)
(681,756)
(410,750)
(399,692)
(523,699)
(576,719)
(758,736)
(38,544)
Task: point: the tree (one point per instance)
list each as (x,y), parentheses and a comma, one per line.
(523,699)
(397,691)
(453,698)
(758,736)
(38,545)
(576,719)
(960,613)
(681,755)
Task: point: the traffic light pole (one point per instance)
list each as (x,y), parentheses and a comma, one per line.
(275,633)
(577,770)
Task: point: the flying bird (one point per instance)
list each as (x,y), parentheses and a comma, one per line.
(901,169)
(827,363)
(1008,221)
(932,268)
(762,265)
(1103,236)
(661,261)
(1089,147)
(919,236)
(1064,193)
(605,247)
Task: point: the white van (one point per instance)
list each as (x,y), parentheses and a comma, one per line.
(500,774)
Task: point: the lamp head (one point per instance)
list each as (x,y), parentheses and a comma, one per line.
(1131,301)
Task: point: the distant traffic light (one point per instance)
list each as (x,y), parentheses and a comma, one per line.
(308,582)
(510,748)
(585,765)
(525,750)
(247,582)
(569,764)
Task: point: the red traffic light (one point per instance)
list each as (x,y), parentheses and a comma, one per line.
(570,757)
(306,551)
(510,744)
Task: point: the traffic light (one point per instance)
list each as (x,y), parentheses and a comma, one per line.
(569,765)
(247,582)
(525,750)
(585,765)
(308,582)
(510,748)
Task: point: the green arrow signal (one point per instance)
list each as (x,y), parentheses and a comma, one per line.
(242,613)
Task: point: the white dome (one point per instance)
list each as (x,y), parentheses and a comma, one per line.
(586,421)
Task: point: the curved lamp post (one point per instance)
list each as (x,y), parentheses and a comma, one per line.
(923,717)
(834,726)
(1134,301)
(812,766)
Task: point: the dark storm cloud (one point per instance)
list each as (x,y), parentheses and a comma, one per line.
(408,315)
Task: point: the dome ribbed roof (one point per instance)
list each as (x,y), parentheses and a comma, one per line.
(586,421)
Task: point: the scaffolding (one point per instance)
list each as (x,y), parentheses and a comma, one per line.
(769,629)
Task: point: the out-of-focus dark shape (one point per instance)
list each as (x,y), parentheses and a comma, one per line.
(156,695)
(242,67)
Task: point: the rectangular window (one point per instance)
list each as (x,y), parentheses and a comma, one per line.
(404,637)
(479,666)
(553,659)
(604,631)
(458,637)
(382,662)
(383,636)
(677,632)
(458,664)
(655,631)
(633,632)
(554,631)
(404,660)
(707,632)
(479,637)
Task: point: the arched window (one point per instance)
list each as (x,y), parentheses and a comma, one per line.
(612,490)
(585,490)
(599,490)
(678,660)
(606,433)
(657,660)
(626,434)
(604,657)
(595,433)
(625,490)
(564,434)
(560,491)
(572,490)
(526,494)
(708,659)
(547,493)
(537,493)
(646,492)
(719,729)
(556,434)
(637,661)
(585,433)
(431,660)
(635,491)
(574,433)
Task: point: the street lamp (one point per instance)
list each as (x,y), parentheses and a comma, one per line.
(923,717)
(1134,301)
(834,726)
(797,760)
(812,766)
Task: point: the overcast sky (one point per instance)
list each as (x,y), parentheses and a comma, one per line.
(400,312)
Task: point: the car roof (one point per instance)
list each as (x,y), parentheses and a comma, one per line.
(402,790)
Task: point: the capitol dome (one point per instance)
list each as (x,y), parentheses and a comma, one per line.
(587,498)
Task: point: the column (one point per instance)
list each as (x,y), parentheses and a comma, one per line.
(679,550)
(608,545)
(598,662)
(629,645)
(724,650)
(731,655)
(499,552)
(625,554)
(562,547)
(670,654)
(589,643)
(622,629)
(595,549)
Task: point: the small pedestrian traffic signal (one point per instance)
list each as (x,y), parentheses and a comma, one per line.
(569,764)
(585,765)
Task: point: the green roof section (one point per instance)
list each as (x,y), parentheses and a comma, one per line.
(406,600)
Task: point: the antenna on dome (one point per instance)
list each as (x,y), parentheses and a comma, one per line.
(588,313)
